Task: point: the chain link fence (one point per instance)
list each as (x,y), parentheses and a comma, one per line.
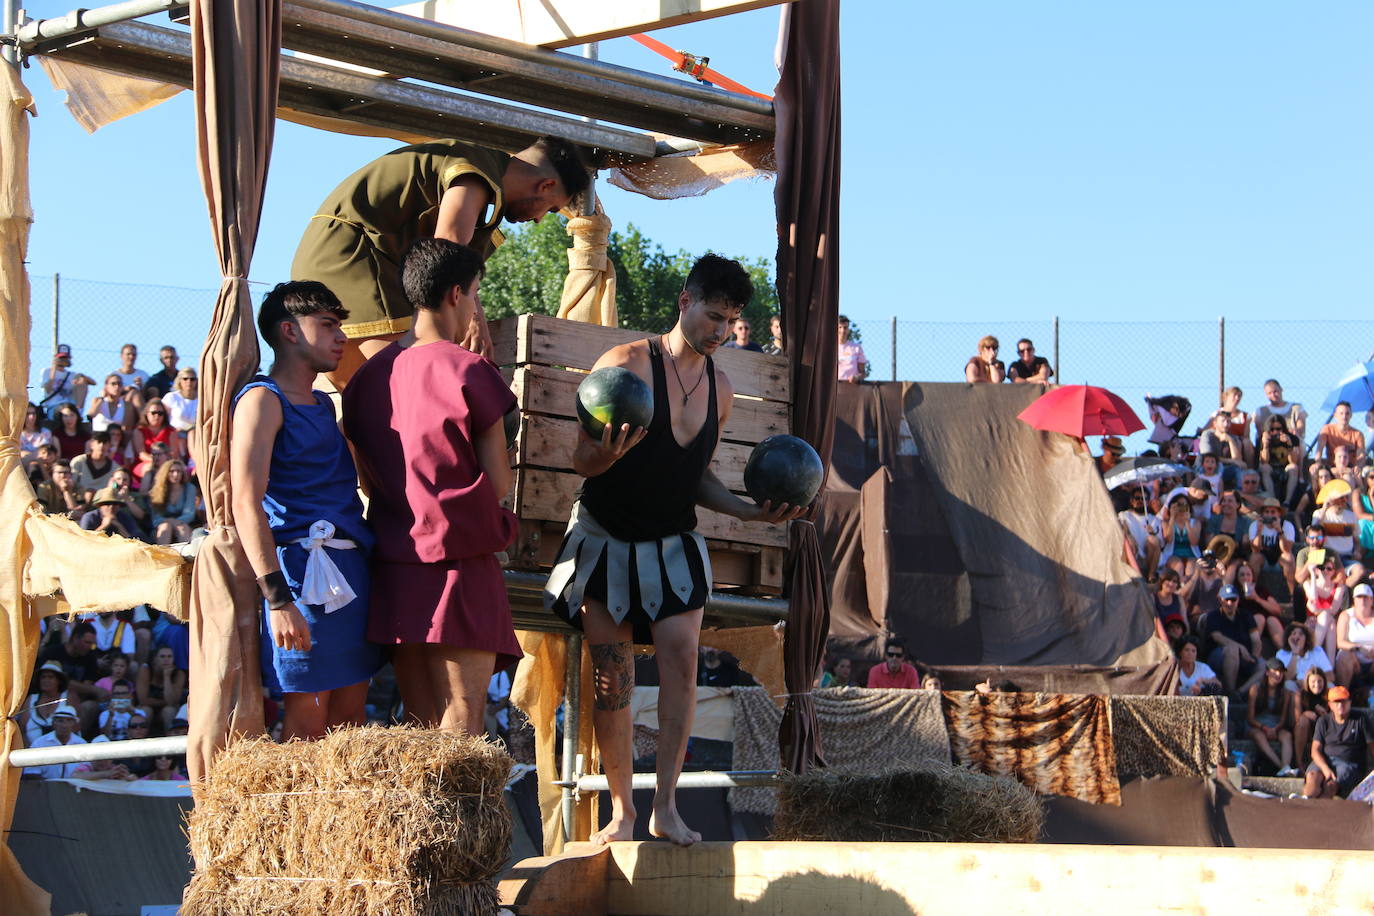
(1194,359)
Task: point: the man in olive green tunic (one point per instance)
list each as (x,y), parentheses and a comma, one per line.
(457,191)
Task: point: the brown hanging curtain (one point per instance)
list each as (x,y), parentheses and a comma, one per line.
(236,46)
(807,108)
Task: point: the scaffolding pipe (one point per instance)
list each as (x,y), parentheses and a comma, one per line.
(9,26)
(173,746)
(78,21)
(572,703)
(733,779)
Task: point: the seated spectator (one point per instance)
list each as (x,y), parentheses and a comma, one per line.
(1112,452)
(174,502)
(985,366)
(60,496)
(181,401)
(1233,640)
(1343,467)
(78,658)
(114,406)
(1268,713)
(113,635)
(741,341)
(31,436)
(119,663)
(1182,534)
(101,769)
(1300,655)
(1355,641)
(1325,591)
(839,674)
(121,447)
(1341,525)
(1293,415)
(135,503)
(1340,749)
(931,682)
(92,470)
(1310,706)
(35,718)
(1209,469)
(61,383)
(163,380)
(154,431)
(69,434)
(40,469)
(1339,432)
(129,373)
(64,733)
(1240,423)
(162,687)
(1307,499)
(114,722)
(1144,531)
(1175,628)
(853,364)
(1278,460)
(774,346)
(1271,542)
(895,671)
(1195,678)
(138,728)
(1251,494)
(160,456)
(1256,601)
(1200,498)
(1171,596)
(1363,505)
(1229,524)
(109,517)
(165,770)
(1217,440)
(1029,367)
(720,669)
(1206,592)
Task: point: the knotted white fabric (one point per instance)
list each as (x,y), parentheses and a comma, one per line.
(323,583)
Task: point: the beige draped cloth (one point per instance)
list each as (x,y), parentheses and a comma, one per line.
(19,639)
(589,287)
(236,53)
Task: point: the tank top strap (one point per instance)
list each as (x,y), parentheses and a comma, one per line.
(660,380)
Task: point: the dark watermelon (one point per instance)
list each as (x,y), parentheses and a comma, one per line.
(783,469)
(613,395)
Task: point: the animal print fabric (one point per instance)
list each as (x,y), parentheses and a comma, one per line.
(1168,736)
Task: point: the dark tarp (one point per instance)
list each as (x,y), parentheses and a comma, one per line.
(807,200)
(101,854)
(980,540)
(1152,680)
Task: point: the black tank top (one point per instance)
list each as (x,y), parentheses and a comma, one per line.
(651,492)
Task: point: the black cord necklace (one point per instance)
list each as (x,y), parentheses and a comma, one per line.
(672,360)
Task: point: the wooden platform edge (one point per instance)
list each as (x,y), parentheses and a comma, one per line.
(571,884)
(947,879)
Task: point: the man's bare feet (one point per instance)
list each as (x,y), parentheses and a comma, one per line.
(621,827)
(666,823)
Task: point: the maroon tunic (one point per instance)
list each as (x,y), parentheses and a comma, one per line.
(413,416)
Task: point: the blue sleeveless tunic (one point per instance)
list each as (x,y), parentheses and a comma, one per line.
(312,477)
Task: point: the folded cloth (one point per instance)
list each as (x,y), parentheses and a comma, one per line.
(323,583)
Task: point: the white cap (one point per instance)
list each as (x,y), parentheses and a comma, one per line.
(64,710)
(1364,591)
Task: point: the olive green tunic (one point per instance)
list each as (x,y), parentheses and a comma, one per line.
(355,243)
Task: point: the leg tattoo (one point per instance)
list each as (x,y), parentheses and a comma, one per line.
(615,674)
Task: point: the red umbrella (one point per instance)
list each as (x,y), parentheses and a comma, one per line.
(1082,411)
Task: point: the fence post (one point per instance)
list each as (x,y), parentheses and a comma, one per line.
(894,348)
(56,307)
(1221,357)
(1058,369)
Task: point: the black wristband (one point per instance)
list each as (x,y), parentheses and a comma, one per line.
(274,588)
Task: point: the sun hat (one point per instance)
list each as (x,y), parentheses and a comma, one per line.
(64,712)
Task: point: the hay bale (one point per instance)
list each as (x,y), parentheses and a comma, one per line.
(366,821)
(937,803)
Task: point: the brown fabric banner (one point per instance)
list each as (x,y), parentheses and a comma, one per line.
(236,50)
(807,198)
(1052,743)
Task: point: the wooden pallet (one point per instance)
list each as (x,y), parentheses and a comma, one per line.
(546,358)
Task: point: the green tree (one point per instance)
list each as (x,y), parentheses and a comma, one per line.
(526,275)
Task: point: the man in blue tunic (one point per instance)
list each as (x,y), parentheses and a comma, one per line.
(297,511)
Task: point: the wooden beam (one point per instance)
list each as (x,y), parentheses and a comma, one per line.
(562,23)
(959,879)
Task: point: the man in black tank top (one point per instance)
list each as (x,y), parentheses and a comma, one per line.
(632,567)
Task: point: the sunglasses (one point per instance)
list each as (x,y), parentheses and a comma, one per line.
(1229,600)
(1025,349)
(894,655)
(157,413)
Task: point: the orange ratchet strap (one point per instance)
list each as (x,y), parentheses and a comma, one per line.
(695,67)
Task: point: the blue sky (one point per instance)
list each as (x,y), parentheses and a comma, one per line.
(1003,162)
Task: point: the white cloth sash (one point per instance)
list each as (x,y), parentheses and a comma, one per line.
(323,583)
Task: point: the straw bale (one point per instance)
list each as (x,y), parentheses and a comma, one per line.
(937,803)
(367,820)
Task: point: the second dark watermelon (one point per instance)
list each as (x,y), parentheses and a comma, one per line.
(783,469)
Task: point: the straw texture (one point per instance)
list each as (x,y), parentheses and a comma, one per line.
(397,821)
